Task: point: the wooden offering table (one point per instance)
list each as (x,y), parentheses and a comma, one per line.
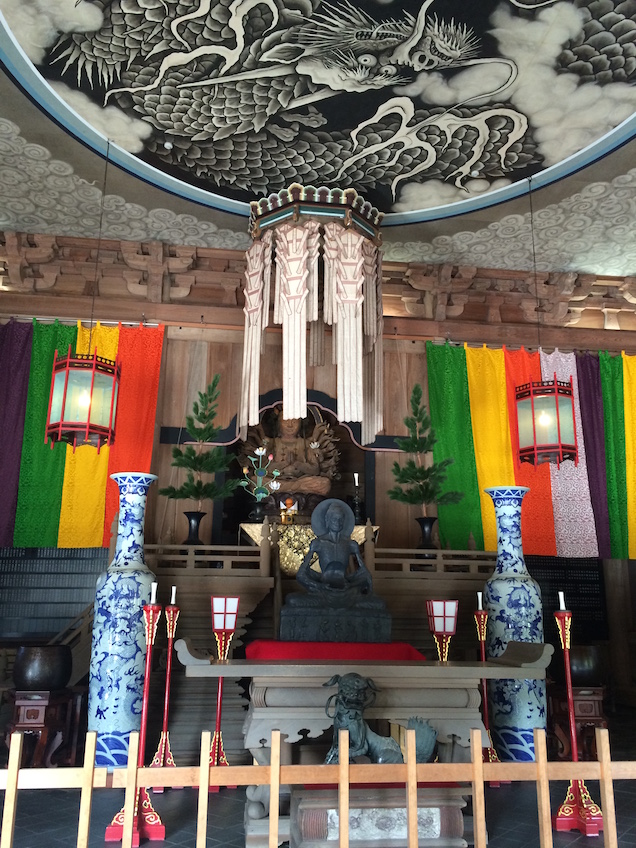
(290,696)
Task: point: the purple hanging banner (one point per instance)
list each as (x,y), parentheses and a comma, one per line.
(15,361)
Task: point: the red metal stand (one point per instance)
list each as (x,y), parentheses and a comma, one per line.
(489,754)
(163,755)
(217,752)
(578,811)
(147,823)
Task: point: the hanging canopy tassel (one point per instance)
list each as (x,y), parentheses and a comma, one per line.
(348,317)
(292,260)
(294,228)
(253,309)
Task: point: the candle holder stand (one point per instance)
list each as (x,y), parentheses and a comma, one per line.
(147,824)
(217,752)
(163,757)
(578,811)
(442,643)
(489,754)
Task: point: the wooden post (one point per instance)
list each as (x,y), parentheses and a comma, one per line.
(131,797)
(11,793)
(543,789)
(343,788)
(411,789)
(86,798)
(204,788)
(610,838)
(479,804)
(274,789)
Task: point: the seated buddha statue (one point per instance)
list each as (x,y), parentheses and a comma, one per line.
(306,461)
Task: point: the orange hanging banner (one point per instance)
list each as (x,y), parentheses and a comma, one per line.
(537,517)
(140,354)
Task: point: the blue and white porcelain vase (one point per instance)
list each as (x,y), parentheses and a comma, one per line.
(118,650)
(515,613)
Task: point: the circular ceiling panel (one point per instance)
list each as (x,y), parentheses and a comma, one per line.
(427,108)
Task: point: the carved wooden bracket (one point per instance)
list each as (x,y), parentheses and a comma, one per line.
(196,276)
(21,252)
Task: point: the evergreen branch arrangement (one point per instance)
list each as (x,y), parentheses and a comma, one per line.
(196,460)
(420,484)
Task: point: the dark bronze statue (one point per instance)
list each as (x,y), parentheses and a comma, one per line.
(338,604)
(332,521)
(354,694)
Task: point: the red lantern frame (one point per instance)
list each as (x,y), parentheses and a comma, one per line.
(78,432)
(557,451)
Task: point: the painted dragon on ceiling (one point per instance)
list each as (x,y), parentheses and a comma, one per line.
(246,96)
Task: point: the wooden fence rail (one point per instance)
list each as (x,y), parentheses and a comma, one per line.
(541,772)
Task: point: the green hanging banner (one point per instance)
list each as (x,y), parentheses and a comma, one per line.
(41,469)
(614,419)
(450,415)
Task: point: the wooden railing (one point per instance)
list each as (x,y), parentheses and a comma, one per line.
(418,563)
(476,773)
(220,560)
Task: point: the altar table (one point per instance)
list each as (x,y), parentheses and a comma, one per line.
(289,695)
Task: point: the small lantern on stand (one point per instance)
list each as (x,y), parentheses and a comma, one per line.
(442,622)
(578,811)
(224,617)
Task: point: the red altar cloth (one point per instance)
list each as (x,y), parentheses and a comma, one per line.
(270,649)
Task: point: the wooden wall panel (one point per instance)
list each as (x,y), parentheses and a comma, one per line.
(404,365)
(398,528)
(226,358)
(193,356)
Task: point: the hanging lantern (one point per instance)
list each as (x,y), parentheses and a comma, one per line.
(545,422)
(83,400)
(320,247)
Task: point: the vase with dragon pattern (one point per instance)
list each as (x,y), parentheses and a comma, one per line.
(515,613)
(118,648)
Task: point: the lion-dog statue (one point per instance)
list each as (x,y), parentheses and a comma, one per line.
(354,694)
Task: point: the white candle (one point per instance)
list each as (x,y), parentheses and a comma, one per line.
(173,597)
(153,593)
(562,600)
(479,601)
(355,479)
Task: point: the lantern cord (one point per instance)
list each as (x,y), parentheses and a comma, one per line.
(99,244)
(534,264)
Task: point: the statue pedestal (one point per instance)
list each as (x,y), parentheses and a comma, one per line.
(317,624)
(377,817)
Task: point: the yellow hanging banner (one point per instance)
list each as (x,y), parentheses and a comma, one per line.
(491,432)
(629,399)
(86,471)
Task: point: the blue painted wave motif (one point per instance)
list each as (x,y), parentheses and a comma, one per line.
(513,744)
(112,750)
